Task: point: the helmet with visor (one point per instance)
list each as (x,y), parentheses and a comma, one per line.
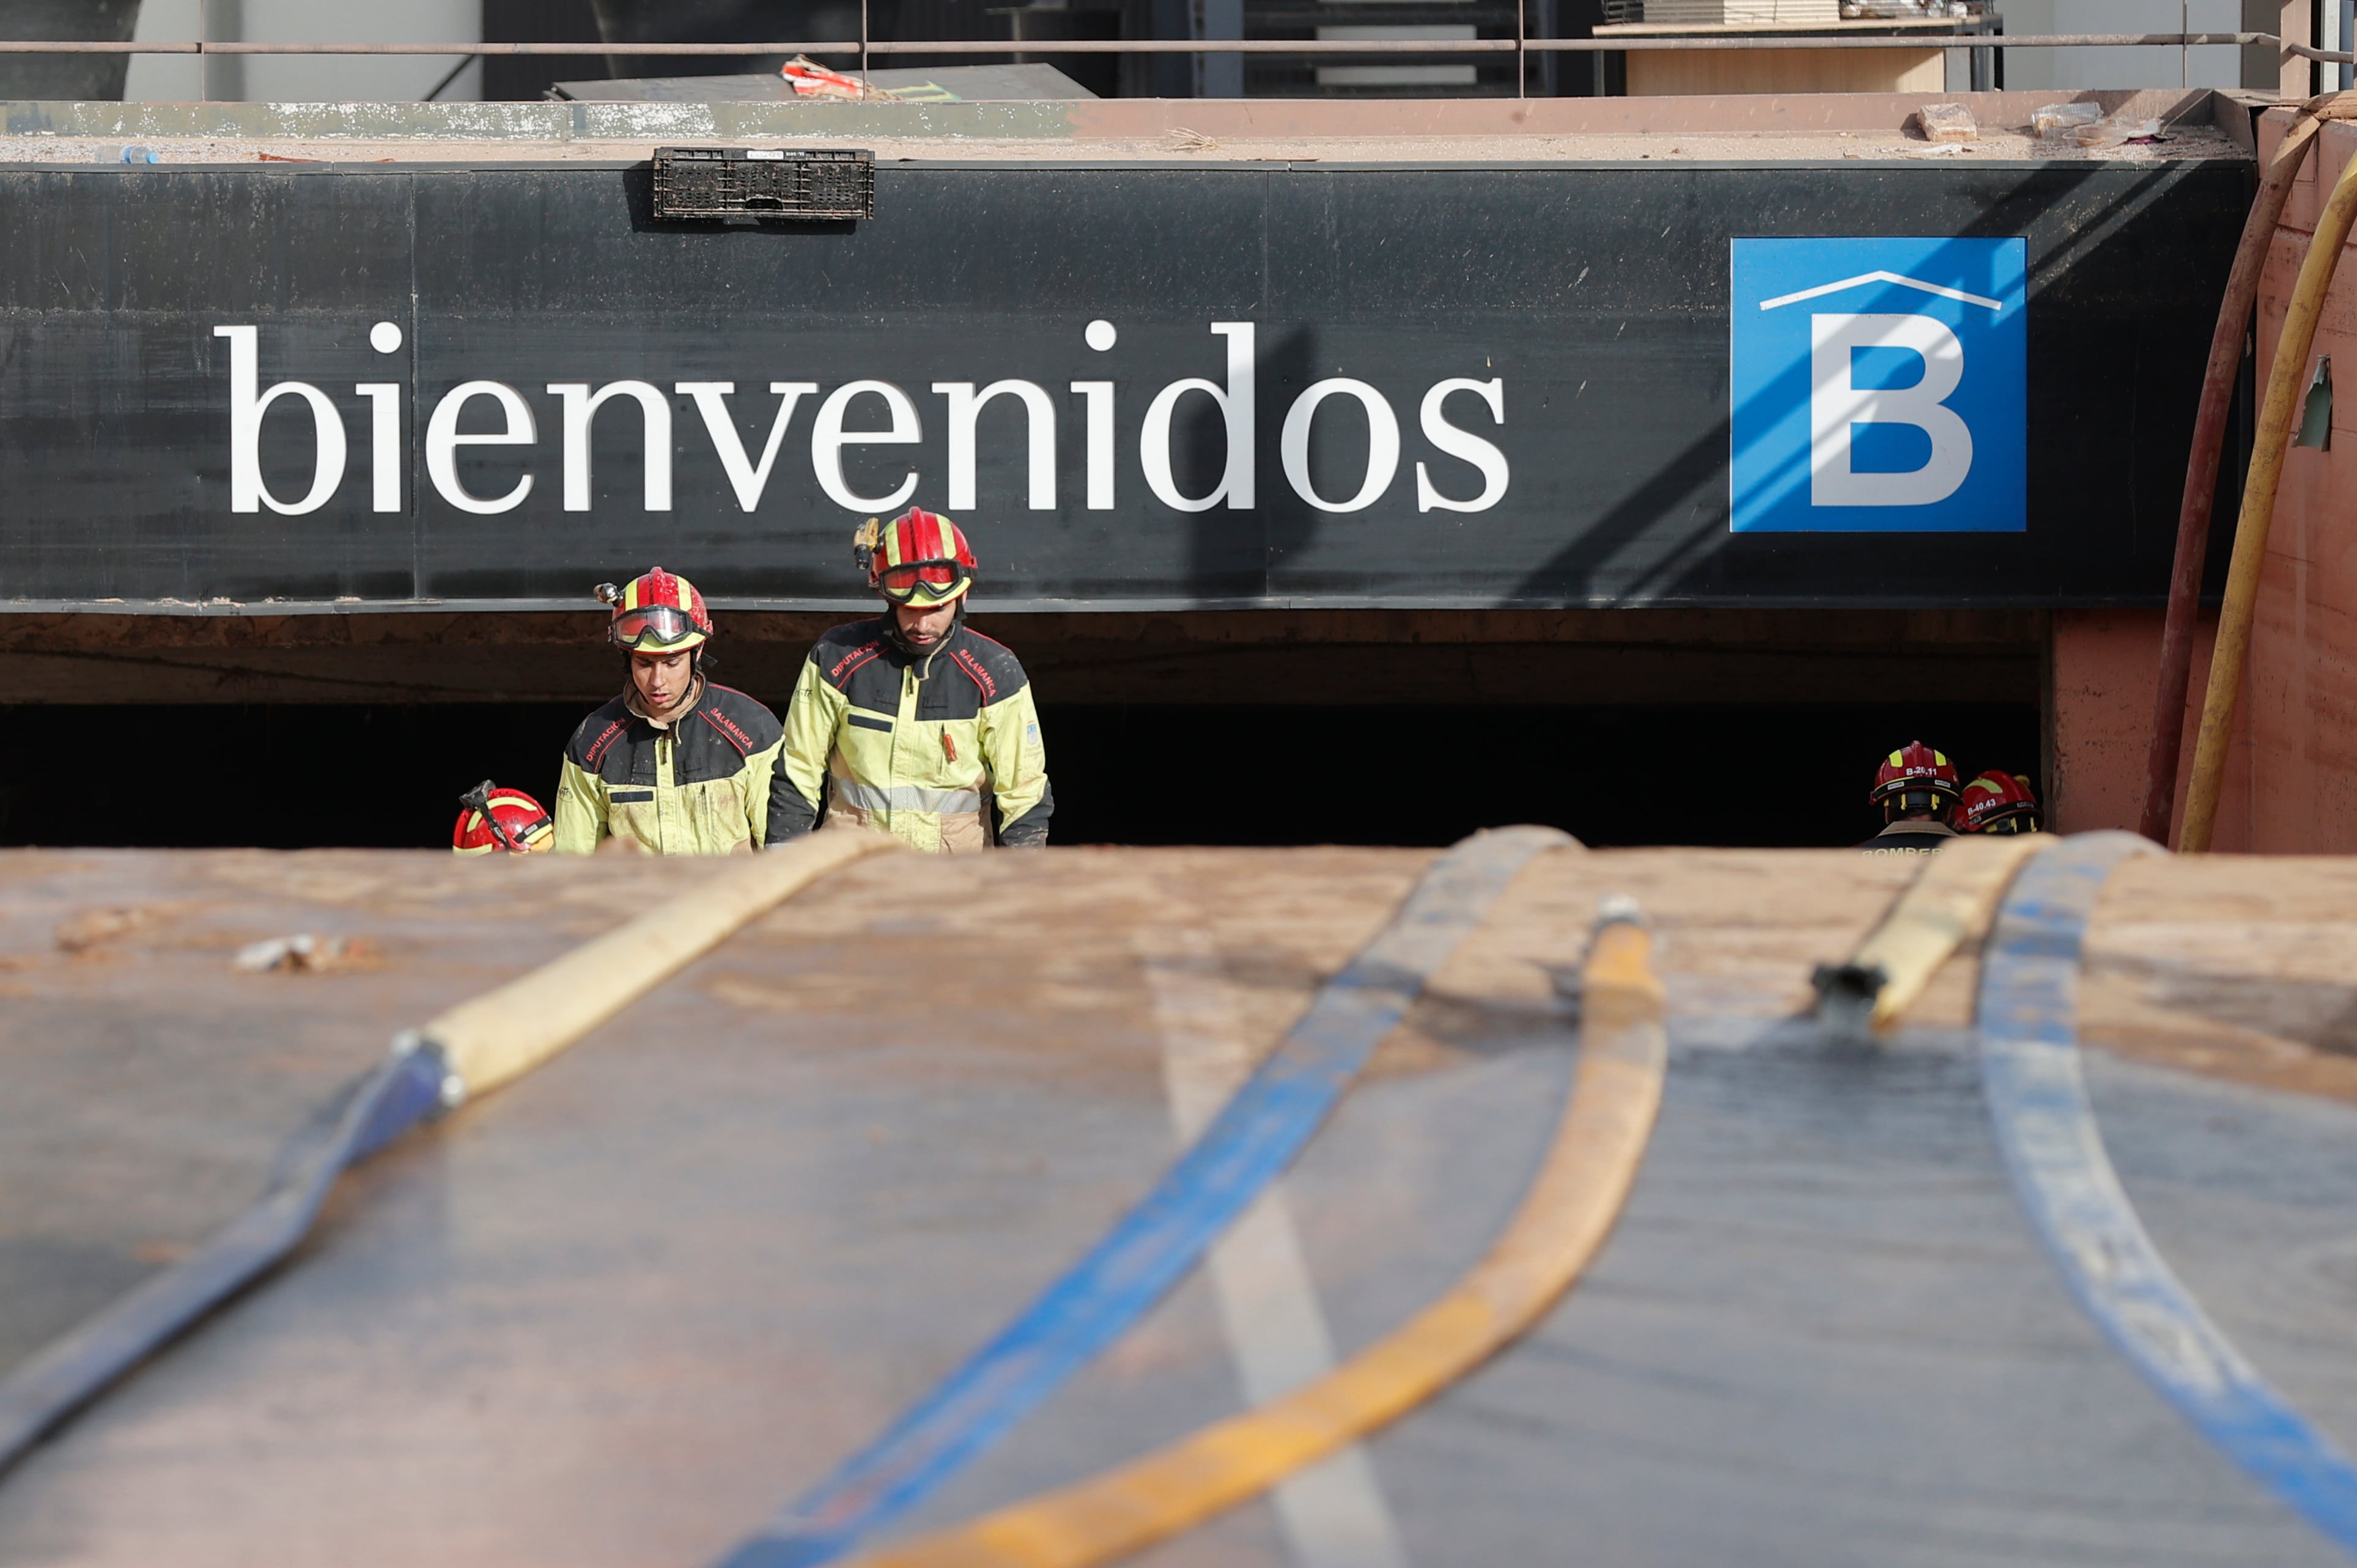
(658,613)
(920,558)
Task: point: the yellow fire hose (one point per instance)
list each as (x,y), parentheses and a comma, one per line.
(1950,901)
(2162,751)
(504,1034)
(474,1047)
(1564,1220)
(2276,415)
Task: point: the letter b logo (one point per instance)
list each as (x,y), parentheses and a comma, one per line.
(1878,386)
(1838,405)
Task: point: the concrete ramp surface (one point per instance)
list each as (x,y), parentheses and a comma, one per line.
(621,1310)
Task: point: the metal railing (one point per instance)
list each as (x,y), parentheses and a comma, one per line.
(1926,39)
(1519,46)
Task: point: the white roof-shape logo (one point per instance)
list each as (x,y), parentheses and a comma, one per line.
(1879,276)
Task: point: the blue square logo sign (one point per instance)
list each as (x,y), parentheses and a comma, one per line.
(1880,386)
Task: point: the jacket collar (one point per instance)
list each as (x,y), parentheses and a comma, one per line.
(638,709)
(1936,829)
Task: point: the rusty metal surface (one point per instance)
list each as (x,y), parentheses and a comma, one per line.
(616,1313)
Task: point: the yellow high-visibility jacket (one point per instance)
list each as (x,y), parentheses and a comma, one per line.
(699,784)
(926,748)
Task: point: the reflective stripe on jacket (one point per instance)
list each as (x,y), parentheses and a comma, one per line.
(924,747)
(698,785)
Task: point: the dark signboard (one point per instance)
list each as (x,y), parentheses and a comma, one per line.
(1140,385)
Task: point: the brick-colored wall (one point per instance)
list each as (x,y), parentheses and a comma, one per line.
(2292,772)
(2299,702)
(2291,777)
(2105,666)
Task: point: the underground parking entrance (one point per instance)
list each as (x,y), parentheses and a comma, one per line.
(1721,728)
(1247,456)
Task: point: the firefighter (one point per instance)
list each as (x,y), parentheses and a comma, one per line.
(1916,788)
(913,722)
(490,818)
(676,764)
(1998,803)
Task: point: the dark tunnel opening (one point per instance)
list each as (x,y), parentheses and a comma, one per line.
(1792,775)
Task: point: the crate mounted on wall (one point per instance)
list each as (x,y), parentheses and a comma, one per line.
(765,182)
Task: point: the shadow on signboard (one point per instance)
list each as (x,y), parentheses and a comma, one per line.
(2059,398)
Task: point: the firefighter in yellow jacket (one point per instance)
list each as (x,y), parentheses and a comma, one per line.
(675,765)
(914,722)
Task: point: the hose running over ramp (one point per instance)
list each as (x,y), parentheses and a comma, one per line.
(1152,1247)
(2038,1098)
(1949,903)
(475,1046)
(1564,1220)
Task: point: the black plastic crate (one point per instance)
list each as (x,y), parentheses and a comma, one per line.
(765,182)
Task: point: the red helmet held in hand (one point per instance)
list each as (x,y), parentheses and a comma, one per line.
(491,818)
(1915,778)
(919,558)
(1998,803)
(659,613)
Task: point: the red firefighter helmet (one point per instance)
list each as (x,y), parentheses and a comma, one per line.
(1998,803)
(491,818)
(659,613)
(919,558)
(1916,778)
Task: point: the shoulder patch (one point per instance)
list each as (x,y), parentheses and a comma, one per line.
(975,672)
(741,743)
(748,724)
(595,735)
(990,665)
(842,651)
(847,664)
